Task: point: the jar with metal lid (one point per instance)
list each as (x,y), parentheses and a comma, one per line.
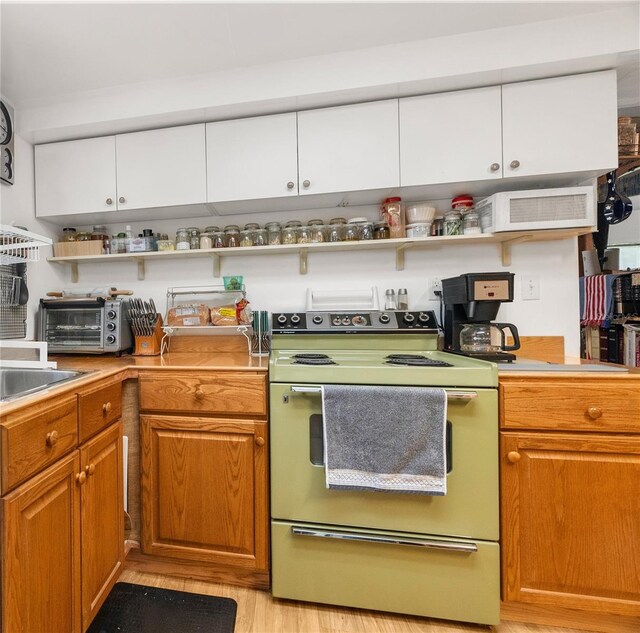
(231,235)
(392,212)
(246,237)
(217,239)
(251,226)
(452,223)
(274,233)
(336,230)
(365,230)
(68,234)
(381,231)
(471,223)
(260,237)
(290,235)
(205,240)
(351,231)
(194,237)
(293,224)
(316,231)
(304,234)
(83,236)
(211,229)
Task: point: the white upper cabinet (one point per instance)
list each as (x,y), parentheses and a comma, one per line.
(161,168)
(451,137)
(348,148)
(560,125)
(76,177)
(252,158)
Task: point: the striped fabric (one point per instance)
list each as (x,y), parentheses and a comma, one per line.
(596,300)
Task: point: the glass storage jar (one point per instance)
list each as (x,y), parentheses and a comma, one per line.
(260,237)
(246,237)
(231,235)
(365,230)
(471,223)
(381,231)
(211,229)
(274,233)
(304,234)
(251,226)
(351,231)
(316,231)
(290,235)
(68,234)
(83,236)
(194,237)
(217,239)
(336,229)
(452,223)
(205,240)
(182,240)
(392,212)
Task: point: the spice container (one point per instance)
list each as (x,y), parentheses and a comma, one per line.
(182,240)
(351,231)
(403,298)
(68,235)
(274,233)
(194,237)
(419,229)
(246,237)
(83,236)
(205,240)
(231,235)
(365,230)
(217,239)
(452,224)
(290,235)
(471,223)
(316,231)
(381,231)
(437,227)
(336,230)
(392,212)
(260,237)
(304,235)
(165,245)
(211,229)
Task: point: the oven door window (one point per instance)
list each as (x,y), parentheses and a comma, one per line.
(70,327)
(316,442)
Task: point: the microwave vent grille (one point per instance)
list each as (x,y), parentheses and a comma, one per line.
(544,209)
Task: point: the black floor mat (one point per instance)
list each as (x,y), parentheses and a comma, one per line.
(140,609)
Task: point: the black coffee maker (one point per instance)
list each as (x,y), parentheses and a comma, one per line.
(471,302)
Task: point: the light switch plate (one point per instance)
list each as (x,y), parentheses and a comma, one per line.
(530,287)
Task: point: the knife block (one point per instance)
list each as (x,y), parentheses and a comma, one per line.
(150,345)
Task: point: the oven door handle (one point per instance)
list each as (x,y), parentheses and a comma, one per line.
(451,395)
(454,546)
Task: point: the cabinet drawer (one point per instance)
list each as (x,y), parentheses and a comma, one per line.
(214,392)
(585,404)
(98,408)
(36,437)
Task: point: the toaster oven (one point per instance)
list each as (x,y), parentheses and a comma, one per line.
(87,325)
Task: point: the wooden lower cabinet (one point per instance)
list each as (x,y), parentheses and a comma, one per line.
(570,508)
(204,490)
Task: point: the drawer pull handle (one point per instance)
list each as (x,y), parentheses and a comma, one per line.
(513,456)
(385,540)
(199,393)
(594,412)
(90,469)
(260,441)
(81,478)
(106,408)
(52,438)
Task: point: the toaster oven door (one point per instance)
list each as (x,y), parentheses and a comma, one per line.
(71,329)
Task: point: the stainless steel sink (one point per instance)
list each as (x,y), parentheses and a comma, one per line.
(15,382)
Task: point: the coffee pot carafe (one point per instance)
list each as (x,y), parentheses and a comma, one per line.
(488,338)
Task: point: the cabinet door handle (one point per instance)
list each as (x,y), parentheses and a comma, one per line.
(513,456)
(594,412)
(121,199)
(109,200)
(106,408)
(90,469)
(514,164)
(52,438)
(199,393)
(260,441)
(81,477)
(290,185)
(495,166)
(306,184)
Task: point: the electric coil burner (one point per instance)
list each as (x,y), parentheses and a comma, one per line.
(430,556)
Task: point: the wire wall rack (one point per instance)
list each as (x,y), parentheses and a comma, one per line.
(18,246)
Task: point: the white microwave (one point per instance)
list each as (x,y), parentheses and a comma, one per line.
(568,207)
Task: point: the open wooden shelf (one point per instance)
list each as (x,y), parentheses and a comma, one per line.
(504,241)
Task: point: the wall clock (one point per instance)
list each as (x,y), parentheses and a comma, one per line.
(7,156)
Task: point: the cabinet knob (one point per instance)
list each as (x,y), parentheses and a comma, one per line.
(121,199)
(109,200)
(495,166)
(81,477)
(52,438)
(199,393)
(106,408)
(306,183)
(594,412)
(90,469)
(290,185)
(514,164)
(260,441)
(513,456)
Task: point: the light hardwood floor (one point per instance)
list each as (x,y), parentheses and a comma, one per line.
(258,612)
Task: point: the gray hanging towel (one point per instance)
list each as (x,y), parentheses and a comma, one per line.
(385,438)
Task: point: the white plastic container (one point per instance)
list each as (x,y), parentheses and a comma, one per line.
(419,229)
(419,213)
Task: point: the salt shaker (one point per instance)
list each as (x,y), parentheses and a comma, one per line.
(390,300)
(403,299)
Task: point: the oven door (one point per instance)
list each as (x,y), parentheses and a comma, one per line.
(469,509)
(73,329)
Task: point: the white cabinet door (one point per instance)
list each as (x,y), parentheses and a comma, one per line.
(560,125)
(162,168)
(349,148)
(451,137)
(75,177)
(252,158)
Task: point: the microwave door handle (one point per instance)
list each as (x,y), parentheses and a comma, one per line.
(451,395)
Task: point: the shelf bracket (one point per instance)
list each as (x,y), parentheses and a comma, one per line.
(216,265)
(303,260)
(141,269)
(400,255)
(505,247)
(74,272)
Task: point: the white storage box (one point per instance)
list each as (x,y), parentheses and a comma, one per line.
(564,208)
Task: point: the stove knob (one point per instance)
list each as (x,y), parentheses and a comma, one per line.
(358,319)
(408,317)
(282,318)
(111,326)
(111,314)
(384,318)
(317,319)
(295,318)
(336,321)
(346,321)
(111,338)
(423,317)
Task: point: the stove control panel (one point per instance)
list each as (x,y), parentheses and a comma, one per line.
(353,322)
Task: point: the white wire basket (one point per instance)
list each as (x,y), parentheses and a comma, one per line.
(18,246)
